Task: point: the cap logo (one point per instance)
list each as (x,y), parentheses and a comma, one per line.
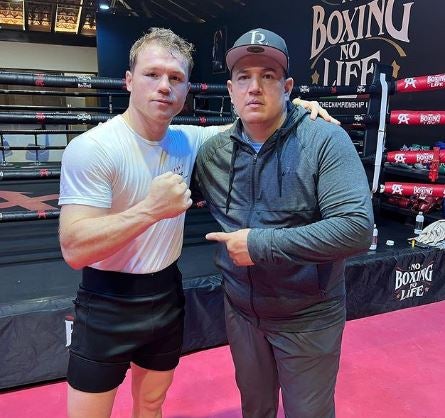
(257,37)
(255,49)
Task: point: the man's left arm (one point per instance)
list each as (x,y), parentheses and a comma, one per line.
(345,228)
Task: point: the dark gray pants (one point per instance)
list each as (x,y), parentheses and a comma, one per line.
(303,364)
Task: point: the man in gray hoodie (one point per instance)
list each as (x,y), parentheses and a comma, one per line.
(293,200)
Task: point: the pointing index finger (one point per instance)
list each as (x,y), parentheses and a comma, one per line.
(216,236)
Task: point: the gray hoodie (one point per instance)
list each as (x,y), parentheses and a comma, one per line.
(306,198)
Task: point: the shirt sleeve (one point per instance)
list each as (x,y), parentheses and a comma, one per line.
(205,132)
(86,174)
(346,210)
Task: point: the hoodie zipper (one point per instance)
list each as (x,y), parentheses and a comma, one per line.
(255,158)
(249,269)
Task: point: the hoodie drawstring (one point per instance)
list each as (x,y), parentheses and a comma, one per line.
(235,148)
(279,173)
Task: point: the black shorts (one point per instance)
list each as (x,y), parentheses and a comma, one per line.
(122,318)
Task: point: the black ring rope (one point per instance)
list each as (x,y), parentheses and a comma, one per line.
(93,82)
(87,118)
(47,80)
(65,93)
(32,215)
(42,173)
(52,117)
(41,80)
(212,112)
(62,108)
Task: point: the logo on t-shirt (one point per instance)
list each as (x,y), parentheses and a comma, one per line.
(179,169)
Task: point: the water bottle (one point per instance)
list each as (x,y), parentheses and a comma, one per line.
(375,237)
(419,223)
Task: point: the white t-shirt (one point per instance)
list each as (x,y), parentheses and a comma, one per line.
(111,166)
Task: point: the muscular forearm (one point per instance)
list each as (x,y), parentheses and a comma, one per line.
(90,234)
(92,239)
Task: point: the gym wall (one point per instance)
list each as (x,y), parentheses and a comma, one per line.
(46,57)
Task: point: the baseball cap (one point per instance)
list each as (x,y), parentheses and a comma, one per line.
(262,42)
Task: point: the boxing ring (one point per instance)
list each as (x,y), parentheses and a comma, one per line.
(37,286)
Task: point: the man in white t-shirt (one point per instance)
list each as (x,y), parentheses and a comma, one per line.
(124,191)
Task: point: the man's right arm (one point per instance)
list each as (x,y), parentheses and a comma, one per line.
(90,234)
(315,110)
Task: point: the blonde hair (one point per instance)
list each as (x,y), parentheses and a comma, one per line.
(166,39)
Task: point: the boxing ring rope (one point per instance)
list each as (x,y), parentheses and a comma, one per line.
(31,215)
(413,189)
(28,174)
(99,109)
(395,117)
(87,82)
(65,93)
(52,117)
(35,215)
(417,117)
(50,80)
(91,119)
(404,157)
(406,85)
(380,87)
(414,157)
(419,84)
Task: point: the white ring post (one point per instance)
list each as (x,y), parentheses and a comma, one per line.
(381,132)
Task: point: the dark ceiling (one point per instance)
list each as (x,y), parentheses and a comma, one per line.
(78,17)
(197,11)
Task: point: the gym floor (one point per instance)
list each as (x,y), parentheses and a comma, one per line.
(392,366)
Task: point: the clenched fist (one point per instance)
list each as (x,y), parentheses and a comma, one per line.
(168,196)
